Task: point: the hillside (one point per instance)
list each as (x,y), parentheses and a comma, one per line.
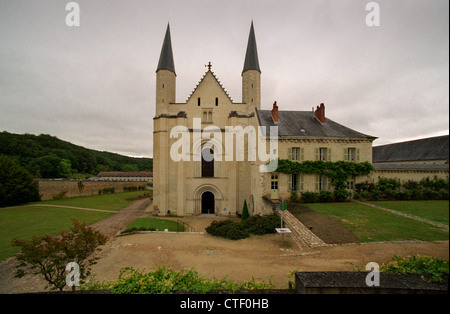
(46,156)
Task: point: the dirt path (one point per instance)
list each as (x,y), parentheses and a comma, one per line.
(262,257)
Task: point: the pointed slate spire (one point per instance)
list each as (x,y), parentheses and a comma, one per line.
(251,56)
(166,57)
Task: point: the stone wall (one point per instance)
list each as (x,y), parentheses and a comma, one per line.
(48,188)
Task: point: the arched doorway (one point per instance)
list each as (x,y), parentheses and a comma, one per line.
(208,203)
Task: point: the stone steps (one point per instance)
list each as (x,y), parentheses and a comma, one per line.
(300,233)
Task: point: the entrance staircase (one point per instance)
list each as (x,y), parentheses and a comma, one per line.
(304,237)
(300,233)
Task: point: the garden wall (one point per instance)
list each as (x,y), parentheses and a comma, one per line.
(50,188)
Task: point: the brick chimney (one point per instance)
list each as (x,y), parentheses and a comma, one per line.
(320,113)
(275,112)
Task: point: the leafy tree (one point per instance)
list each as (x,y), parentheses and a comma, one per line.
(48,256)
(16,184)
(64,168)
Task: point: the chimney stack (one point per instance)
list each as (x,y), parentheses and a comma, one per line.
(320,113)
(275,112)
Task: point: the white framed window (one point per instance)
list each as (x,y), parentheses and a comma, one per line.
(323,153)
(351,154)
(296,153)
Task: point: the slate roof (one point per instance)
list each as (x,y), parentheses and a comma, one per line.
(251,56)
(305,124)
(411,166)
(166,57)
(433,148)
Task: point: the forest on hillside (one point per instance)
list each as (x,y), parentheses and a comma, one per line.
(46,156)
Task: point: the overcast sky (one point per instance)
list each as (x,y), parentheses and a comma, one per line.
(94,85)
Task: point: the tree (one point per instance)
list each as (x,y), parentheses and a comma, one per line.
(48,256)
(245,213)
(65,168)
(16,184)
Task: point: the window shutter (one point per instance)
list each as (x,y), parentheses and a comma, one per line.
(357,154)
(317,183)
(289,153)
(301,182)
(302,154)
(345,154)
(329,154)
(290,182)
(317,154)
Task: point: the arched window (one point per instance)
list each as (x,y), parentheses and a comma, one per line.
(207,163)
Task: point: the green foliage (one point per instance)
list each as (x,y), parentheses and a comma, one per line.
(16,184)
(310,197)
(48,256)
(234,230)
(46,156)
(339,172)
(325,196)
(245,213)
(165,280)
(391,189)
(153,224)
(438,268)
(294,196)
(260,225)
(227,229)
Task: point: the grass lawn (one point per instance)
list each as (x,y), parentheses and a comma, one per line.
(155,223)
(24,222)
(371,224)
(115,201)
(432,210)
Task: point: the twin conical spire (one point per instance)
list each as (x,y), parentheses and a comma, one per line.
(166,57)
(251,56)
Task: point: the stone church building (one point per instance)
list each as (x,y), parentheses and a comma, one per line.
(194,184)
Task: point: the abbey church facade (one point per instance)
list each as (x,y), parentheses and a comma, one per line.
(195,185)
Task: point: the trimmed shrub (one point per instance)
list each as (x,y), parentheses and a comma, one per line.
(257,225)
(310,197)
(262,224)
(342,195)
(326,196)
(227,229)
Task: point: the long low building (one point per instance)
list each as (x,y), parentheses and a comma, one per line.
(125,176)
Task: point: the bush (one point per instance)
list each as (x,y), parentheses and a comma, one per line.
(438,268)
(294,196)
(234,230)
(48,256)
(166,280)
(227,229)
(310,197)
(326,196)
(262,224)
(342,195)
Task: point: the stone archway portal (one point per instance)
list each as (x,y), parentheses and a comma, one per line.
(208,203)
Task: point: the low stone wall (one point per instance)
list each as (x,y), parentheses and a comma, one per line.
(49,188)
(355,283)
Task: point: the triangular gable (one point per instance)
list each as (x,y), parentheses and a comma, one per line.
(209,74)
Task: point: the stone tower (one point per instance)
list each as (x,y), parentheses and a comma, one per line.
(165,76)
(251,75)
